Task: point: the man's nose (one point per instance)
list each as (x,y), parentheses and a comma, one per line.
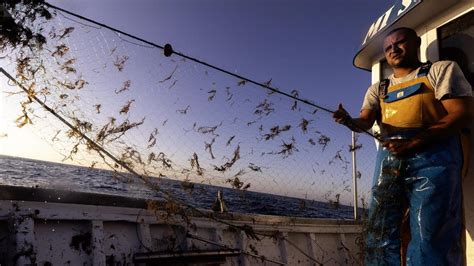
(393,47)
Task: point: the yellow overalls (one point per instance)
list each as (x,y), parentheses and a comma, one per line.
(427,182)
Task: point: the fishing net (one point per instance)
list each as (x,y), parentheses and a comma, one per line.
(183,129)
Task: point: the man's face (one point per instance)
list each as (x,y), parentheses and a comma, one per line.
(401,49)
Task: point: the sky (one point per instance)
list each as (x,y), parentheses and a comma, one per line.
(304,45)
(308,45)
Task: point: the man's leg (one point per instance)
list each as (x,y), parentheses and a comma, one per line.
(435,207)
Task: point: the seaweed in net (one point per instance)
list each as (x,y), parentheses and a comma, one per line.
(113,130)
(295,94)
(227,165)
(195,163)
(120,61)
(211,94)
(76,85)
(66,32)
(55,137)
(208,147)
(236,183)
(161,158)
(275,131)
(80,127)
(125,86)
(324,141)
(355,147)
(131,156)
(229,94)
(288,148)
(67,68)
(255,168)
(121,129)
(229,141)
(15,31)
(72,152)
(339,158)
(183,111)
(170,76)
(304,125)
(61,50)
(208,129)
(241,82)
(126,107)
(172,84)
(23,120)
(264,108)
(388,196)
(23,67)
(152,138)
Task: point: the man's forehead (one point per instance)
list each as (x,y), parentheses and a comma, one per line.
(395,36)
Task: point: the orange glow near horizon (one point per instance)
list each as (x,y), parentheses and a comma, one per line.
(21,142)
(27,141)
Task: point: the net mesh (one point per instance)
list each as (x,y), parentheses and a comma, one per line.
(170,118)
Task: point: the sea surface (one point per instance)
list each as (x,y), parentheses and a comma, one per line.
(33,173)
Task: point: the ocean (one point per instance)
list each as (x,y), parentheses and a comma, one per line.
(16,171)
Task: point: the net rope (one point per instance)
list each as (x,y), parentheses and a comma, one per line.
(185,129)
(174,119)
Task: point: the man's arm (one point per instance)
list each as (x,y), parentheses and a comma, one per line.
(364,122)
(459,115)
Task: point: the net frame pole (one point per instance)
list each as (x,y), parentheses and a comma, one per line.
(354,175)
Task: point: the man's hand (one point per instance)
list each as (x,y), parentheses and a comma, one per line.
(364,122)
(459,115)
(341,116)
(401,147)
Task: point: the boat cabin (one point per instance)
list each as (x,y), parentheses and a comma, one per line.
(446,29)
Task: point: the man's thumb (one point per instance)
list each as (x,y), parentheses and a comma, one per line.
(340,108)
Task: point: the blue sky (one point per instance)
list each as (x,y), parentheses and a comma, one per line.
(304,45)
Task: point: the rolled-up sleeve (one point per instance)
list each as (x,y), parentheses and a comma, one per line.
(371,99)
(449,81)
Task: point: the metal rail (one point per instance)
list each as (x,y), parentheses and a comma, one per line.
(354,176)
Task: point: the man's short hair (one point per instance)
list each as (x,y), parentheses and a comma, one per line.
(409,31)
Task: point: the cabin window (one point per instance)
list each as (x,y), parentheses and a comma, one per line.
(456,40)
(385,69)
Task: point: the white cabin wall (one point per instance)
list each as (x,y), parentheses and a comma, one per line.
(376,68)
(429,49)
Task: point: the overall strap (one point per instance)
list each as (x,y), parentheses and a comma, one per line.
(383,86)
(424,69)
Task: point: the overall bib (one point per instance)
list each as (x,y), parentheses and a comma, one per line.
(427,182)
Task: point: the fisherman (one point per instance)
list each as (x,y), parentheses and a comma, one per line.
(421,109)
